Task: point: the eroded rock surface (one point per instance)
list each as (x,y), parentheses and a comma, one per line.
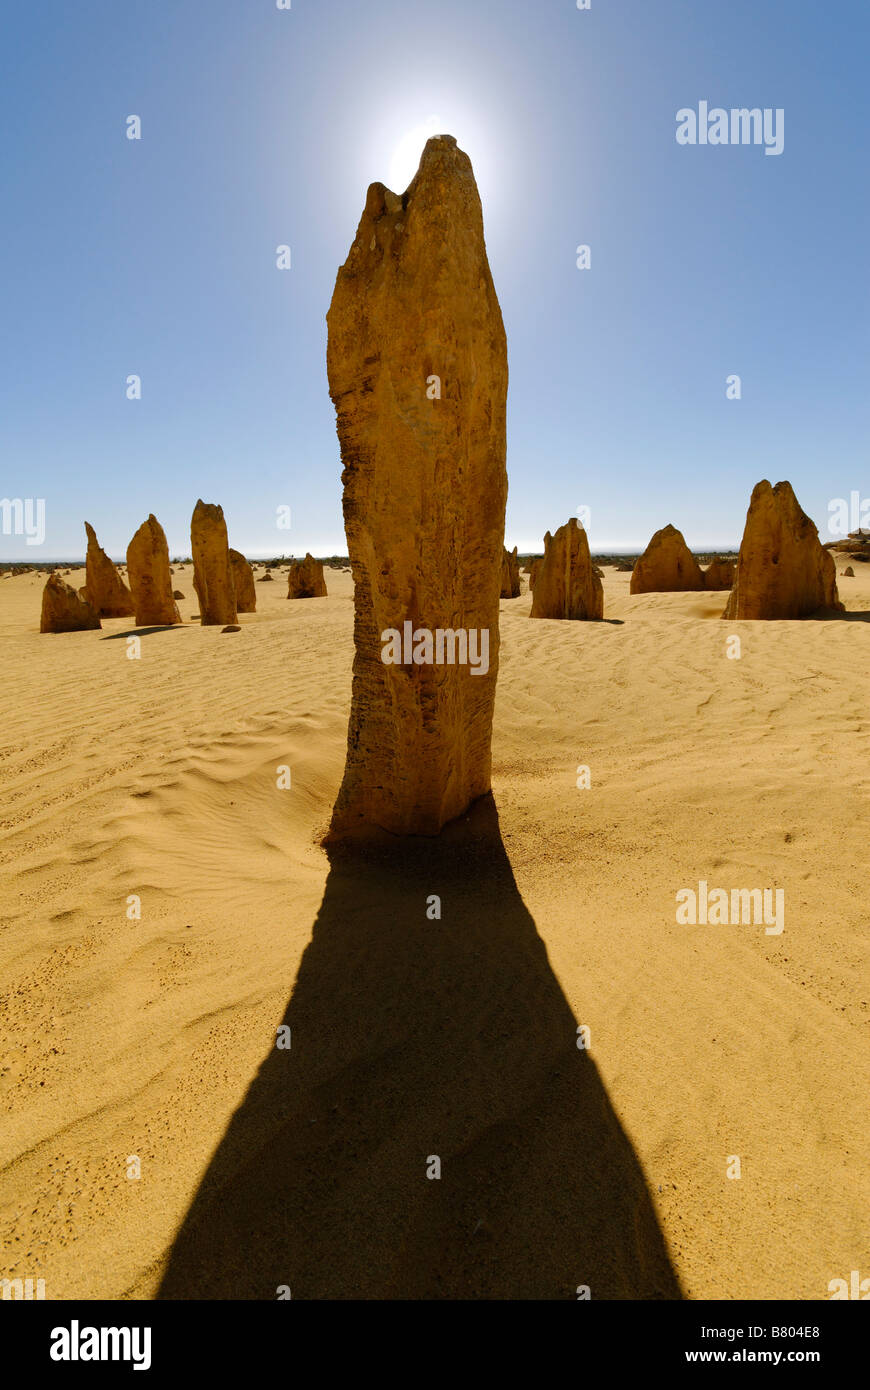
(719,574)
(150,580)
(510,574)
(106,591)
(243,582)
(417,365)
(566,584)
(666,566)
(783,570)
(63,610)
(305,578)
(212,570)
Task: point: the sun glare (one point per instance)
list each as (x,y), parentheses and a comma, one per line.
(406,156)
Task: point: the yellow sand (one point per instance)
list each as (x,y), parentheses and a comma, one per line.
(123,1037)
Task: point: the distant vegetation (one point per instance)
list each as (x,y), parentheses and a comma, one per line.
(339,562)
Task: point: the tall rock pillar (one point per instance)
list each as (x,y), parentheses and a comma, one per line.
(417,366)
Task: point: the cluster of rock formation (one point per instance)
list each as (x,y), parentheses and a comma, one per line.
(667,566)
(566,583)
(856,545)
(63,610)
(510,574)
(783,570)
(212,567)
(305,578)
(222,578)
(417,366)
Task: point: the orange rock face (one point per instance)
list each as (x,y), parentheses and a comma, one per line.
(106,591)
(417,365)
(212,571)
(243,582)
(63,610)
(510,574)
(305,578)
(666,566)
(534,568)
(719,574)
(783,570)
(566,584)
(150,580)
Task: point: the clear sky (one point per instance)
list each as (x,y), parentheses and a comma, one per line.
(263,127)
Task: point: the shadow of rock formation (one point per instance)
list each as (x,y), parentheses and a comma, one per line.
(413,1038)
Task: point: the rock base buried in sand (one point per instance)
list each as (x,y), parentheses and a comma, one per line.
(566,584)
(63,610)
(150,580)
(243,582)
(106,591)
(305,579)
(417,366)
(667,566)
(212,570)
(783,570)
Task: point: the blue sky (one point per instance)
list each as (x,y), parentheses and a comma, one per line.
(263,127)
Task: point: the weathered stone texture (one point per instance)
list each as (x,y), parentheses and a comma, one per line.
(305,578)
(150,580)
(243,582)
(666,566)
(63,610)
(783,570)
(106,591)
(510,574)
(566,584)
(417,365)
(212,570)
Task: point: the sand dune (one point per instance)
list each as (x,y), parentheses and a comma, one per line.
(157,777)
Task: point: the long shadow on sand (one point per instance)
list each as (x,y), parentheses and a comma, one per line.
(858,615)
(414,1038)
(142,632)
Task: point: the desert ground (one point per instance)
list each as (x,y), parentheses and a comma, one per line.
(154,1038)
